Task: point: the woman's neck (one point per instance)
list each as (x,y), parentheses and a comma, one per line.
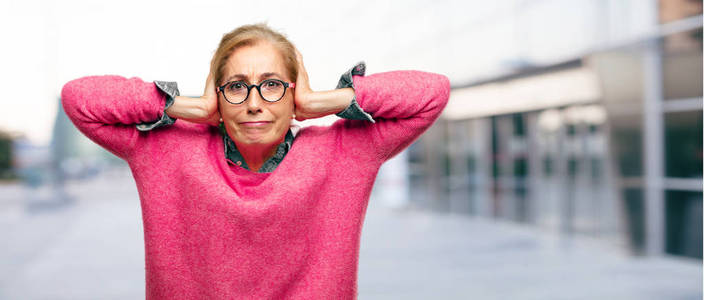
(255,155)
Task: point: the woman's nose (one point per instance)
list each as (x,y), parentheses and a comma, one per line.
(254,102)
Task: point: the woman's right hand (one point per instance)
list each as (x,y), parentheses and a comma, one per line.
(203,109)
(210,102)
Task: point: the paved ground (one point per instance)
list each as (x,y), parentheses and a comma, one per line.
(92,248)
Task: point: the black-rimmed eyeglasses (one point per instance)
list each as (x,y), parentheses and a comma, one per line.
(271,90)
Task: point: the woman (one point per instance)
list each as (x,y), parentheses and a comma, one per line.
(255,208)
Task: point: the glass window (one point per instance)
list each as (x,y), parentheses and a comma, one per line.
(635,218)
(572,167)
(683,223)
(683,144)
(627,141)
(548,166)
(495,169)
(518,125)
(597,169)
(520,167)
(682,65)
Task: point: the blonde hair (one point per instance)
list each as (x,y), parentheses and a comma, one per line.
(248,35)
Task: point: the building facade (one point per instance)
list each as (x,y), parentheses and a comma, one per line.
(607,144)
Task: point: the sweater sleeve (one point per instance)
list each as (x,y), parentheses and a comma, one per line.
(403,104)
(107,109)
(353,111)
(170,89)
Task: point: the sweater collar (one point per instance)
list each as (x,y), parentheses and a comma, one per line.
(234,157)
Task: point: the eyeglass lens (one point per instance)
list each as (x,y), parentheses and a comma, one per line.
(270,89)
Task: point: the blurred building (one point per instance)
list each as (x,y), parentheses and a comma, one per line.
(606,143)
(73,155)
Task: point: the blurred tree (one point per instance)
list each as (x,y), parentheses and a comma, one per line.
(6,168)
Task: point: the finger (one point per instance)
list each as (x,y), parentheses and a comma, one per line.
(209,86)
(302,73)
(299,57)
(212,61)
(210,81)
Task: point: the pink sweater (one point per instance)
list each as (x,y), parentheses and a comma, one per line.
(218,231)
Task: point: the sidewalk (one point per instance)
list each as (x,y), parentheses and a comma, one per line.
(93,249)
(418,255)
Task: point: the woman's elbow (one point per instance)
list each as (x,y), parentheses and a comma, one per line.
(441,88)
(70,95)
(73,96)
(74,90)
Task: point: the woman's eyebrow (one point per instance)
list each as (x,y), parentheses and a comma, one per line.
(261,76)
(269,74)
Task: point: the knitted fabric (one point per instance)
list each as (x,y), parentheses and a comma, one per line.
(218,231)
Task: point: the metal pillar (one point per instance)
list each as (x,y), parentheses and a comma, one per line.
(653,144)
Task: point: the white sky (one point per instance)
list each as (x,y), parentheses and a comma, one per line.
(46,43)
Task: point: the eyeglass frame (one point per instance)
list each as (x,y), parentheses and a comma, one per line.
(221,89)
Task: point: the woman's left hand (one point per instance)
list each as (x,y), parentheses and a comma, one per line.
(303,93)
(310,104)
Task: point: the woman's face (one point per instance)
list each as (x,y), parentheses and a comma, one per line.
(256,121)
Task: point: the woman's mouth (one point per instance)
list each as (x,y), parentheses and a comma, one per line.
(255,123)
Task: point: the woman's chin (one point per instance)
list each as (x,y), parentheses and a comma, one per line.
(256,138)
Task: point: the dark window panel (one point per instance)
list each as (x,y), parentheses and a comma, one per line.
(683,144)
(683,223)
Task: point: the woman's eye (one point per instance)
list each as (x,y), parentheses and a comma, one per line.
(272,84)
(236,86)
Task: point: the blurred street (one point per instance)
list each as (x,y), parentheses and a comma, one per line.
(89,245)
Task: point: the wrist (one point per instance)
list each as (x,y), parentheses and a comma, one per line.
(187,108)
(333,101)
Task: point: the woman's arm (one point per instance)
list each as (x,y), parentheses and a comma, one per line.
(194,110)
(310,104)
(203,109)
(112,110)
(403,104)
(323,103)
(107,108)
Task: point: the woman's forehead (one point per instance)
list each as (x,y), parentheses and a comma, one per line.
(255,62)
